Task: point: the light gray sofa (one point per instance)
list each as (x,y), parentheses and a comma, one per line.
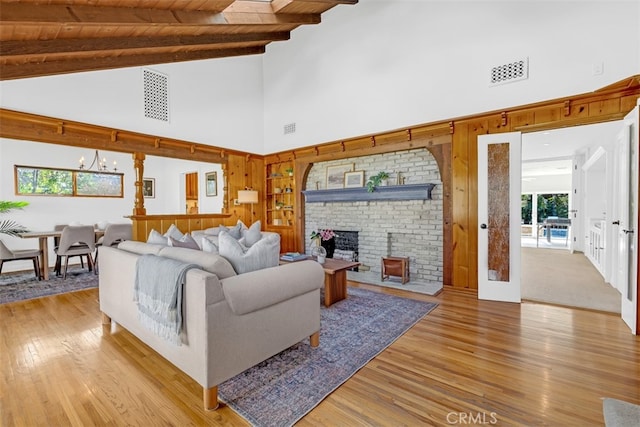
(231,322)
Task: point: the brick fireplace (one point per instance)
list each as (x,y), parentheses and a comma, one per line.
(411,228)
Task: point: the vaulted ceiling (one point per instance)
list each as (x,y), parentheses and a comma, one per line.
(48,37)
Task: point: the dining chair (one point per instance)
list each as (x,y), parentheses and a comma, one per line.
(7,255)
(76,241)
(56,243)
(113,235)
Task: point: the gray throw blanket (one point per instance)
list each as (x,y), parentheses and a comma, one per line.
(158,292)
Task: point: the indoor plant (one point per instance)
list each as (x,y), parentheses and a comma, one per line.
(376,180)
(8,226)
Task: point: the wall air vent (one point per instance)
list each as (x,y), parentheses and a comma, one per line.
(156,95)
(510,72)
(290,128)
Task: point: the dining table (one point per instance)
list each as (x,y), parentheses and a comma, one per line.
(43,239)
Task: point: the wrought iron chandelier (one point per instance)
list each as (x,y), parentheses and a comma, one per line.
(100,165)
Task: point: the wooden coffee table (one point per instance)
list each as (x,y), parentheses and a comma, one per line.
(335,279)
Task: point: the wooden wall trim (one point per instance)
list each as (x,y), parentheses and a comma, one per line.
(32,127)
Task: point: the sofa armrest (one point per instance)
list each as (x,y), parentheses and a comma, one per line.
(249,292)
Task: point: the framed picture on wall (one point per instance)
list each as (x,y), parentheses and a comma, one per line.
(335,175)
(354,179)
(149,188)
(211,181)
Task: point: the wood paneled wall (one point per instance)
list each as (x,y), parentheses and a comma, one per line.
(453,142)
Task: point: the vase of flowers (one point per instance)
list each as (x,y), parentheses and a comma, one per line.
(325,238)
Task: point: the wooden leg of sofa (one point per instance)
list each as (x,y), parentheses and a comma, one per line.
(210,396)
(105,319)
(315,339)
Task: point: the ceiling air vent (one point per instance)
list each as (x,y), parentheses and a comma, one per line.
(510,72)
(290,128)
(156,95)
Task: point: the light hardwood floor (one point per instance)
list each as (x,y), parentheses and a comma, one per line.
(528,364)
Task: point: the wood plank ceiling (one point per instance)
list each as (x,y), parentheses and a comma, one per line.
(48,37)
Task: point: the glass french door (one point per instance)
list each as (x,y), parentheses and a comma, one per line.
(499,186)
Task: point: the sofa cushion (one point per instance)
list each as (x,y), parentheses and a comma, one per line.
(212,263)
(213,231)
(210,244)
(140,248)
(252,235)
(263,254)
(254,291)
(174,232)
(235,232)
(155,238)
(186,241)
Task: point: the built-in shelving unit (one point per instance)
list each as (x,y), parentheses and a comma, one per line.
(359,194)
(280,199)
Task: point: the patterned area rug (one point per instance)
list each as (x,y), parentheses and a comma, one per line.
(23,285)
(282,389)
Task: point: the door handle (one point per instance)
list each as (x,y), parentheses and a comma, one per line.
(483,226)
(628,231)
(615,223)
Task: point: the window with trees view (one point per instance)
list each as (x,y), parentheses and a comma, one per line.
(38,181)
(554,205)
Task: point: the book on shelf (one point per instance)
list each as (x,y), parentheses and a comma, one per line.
(293,256)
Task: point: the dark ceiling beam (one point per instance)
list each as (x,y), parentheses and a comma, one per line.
(47,68)
(252,13)
(63,46)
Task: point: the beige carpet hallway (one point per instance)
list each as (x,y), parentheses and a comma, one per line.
(560,277)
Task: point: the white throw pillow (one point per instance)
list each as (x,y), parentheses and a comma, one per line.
(209,246)
(264,254)
(174,232)
(213,231)
(253,234)
(156,238)
(235,232)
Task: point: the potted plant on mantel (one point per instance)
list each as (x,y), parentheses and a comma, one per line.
(376,180)
(9,226)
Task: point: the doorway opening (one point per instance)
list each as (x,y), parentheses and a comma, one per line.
(556,214)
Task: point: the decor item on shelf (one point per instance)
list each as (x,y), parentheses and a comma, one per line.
(101,165)
(289,171)
(319,253)
(376,180)
(277,190)
(279,205)
(288,189)
(250,196)
(354,179)
(335,175)
(8,226)
(326,237)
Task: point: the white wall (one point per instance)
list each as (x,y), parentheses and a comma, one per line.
(383,65)
(215,102)
(547,184)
